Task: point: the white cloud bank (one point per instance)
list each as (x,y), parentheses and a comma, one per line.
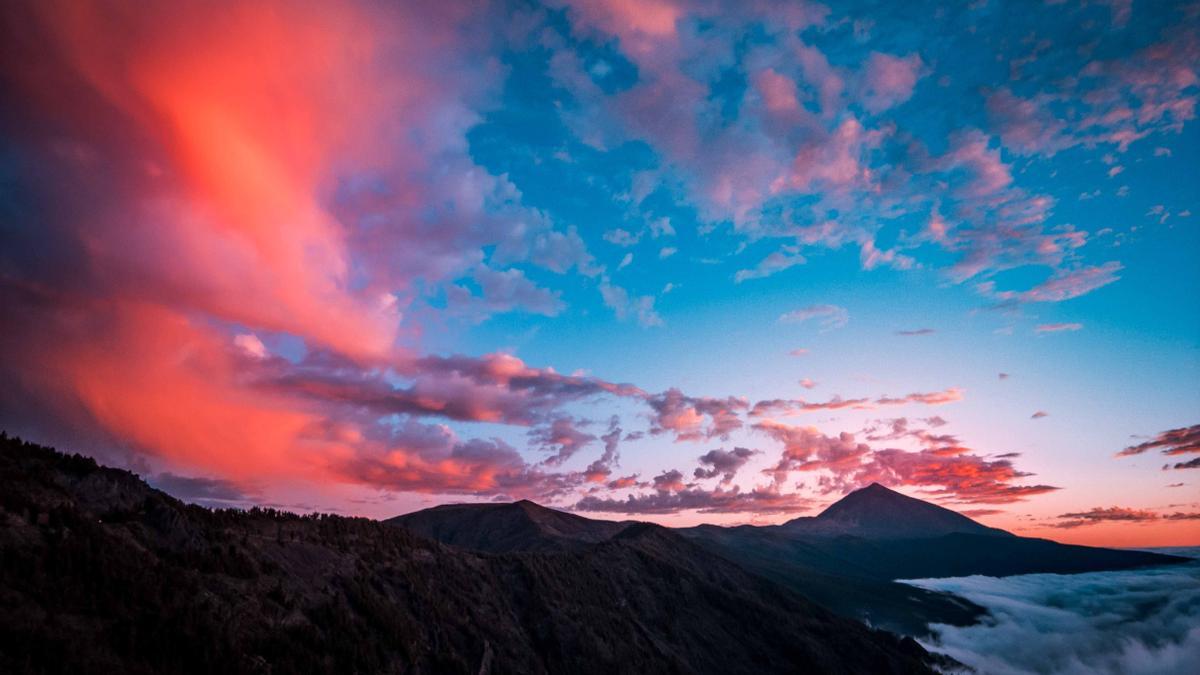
(1133,622)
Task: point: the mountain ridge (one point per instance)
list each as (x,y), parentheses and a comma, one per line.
(102,573)
(848,558)
(508,526)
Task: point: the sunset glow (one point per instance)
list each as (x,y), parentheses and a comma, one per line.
(675,261)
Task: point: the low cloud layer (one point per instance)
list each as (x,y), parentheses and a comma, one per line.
(1133,622)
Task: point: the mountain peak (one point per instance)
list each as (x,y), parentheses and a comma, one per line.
(508,526)
(879,512)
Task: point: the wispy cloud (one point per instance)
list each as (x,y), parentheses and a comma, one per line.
(828,316)
(1058,327)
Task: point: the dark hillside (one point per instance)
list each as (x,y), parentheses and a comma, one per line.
(99,573)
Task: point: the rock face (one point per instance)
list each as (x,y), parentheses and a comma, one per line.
(99,573)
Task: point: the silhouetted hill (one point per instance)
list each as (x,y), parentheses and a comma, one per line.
(956,555)
(834,581)
(875,512)
(502,528)
(848,557)
(100,573)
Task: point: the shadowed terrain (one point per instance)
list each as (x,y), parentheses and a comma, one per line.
(846,559)
(100,573)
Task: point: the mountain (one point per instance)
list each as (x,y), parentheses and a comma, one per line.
(100,573)
(849,556)
(875,512)
(508,527)
(894,536)
(834,581)
(846,559)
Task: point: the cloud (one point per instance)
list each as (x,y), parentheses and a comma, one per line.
(624,307)
(724,463)
(807,383)
(965,478)
(979,513)
(504,291)
(1058,327)
(1117,514)
(562,437)
(1066,284)
(1099,515)
(948,471)
(788,407)
(950,395)
(599,470)
(305,179)
(806,449)
(774,262)
(693,418)
(243,177)
(1138,622)
(829,316)
(1113,102)
(1179,441)
(889,80)
(1039,415)
(717,500)
(251,345)
(917,331)
(621,237)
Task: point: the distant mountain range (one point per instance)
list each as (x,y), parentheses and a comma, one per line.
(99,573)
(846,559)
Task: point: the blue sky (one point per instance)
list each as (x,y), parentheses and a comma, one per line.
(412,252)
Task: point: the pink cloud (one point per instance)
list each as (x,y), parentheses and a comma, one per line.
(778,92)
(695,418)
(836,163)
(563,437)
(1058,327)
(1067,284)
(764,500)
(788,407)
(952,472)
(1179,441)
(889,80)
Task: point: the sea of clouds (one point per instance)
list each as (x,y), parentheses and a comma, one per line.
(1131,622)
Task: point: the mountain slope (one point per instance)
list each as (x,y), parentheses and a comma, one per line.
(848,557)
(875,512)
(835,582)
(502,528)
(893,536)
(100,573)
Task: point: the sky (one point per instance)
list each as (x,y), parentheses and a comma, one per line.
(667,260)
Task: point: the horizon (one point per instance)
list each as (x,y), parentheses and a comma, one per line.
(674,261)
